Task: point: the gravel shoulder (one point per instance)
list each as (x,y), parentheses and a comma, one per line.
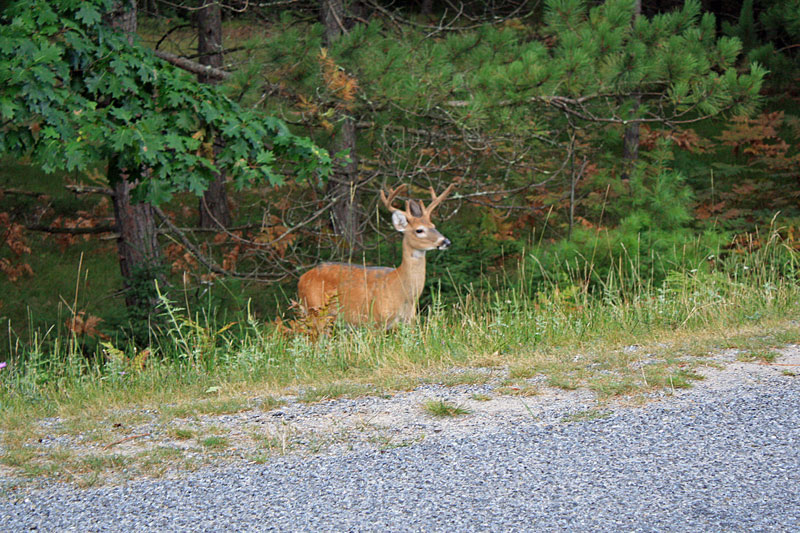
(721,456)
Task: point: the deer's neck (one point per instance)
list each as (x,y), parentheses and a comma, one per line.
(411,271)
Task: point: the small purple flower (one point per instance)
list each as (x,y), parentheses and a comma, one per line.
(2,365)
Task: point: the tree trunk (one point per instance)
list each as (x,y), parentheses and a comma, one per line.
(137,245)
(427,7)
(123,17)
(139,255)
(214,210)
(343,184)
(630,139)
(333,20)
(630,146)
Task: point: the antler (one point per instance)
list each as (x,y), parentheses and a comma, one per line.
(436,200)
(392,195)
(426,211)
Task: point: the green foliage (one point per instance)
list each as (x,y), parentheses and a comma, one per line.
(646,229)
(523,332)
(770,38)
(75,93)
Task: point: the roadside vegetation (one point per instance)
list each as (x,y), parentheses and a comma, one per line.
(626,205)
(615,341)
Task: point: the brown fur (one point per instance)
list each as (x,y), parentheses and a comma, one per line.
(380,294)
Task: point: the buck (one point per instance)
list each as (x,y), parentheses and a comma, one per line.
(380,294)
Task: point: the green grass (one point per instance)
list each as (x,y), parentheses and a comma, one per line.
(181,433)
(584,416)
(199,366)
(223,406)
(764,356)
(214,442)
(571,343)
(443,409)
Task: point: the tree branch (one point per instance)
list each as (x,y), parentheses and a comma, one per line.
(192,66)
(20,192)
(208,263)
(89,189)
(108,228)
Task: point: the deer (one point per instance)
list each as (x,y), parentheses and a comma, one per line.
(382,295)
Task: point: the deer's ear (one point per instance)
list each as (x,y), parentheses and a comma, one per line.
(399,220)
(415,209)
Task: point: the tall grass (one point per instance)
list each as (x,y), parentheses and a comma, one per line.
(542,326)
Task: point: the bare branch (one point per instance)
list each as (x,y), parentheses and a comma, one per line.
(192,66)
(208,263)
(109,228)
(20,192)
(89,189)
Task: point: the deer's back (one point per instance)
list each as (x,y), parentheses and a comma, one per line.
(348,281)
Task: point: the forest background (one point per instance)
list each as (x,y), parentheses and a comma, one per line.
(600,149)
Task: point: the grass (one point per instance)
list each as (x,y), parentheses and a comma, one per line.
(181,433)
(224,406)
(443,409)
(585,416)
(214,442)
(614,341)
(765,356)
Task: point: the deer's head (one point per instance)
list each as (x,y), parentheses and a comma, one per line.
(415,221)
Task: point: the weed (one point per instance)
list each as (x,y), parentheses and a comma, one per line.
(269,403)
(388,443)
(102,463)
(563,381)
(584,416)
(279,443)
(441,408)
(665,376)
(459,377)
(18,457)
(766,356)
(521,372)
(606,386)
(214,442)
(478,397)
(181,433)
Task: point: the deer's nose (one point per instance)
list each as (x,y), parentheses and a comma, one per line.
(445,244)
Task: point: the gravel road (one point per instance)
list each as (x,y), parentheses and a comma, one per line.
(712,459)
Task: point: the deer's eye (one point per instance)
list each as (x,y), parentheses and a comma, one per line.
(420,231)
